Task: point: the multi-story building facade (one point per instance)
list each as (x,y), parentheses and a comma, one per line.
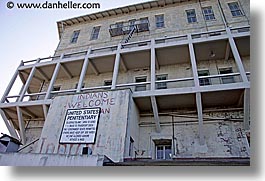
(161,82)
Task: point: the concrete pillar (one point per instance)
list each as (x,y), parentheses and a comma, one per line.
(236,56)
(116,67)
(155,112)
(11,83)
(247,109)
(193,62)
(198,94)
(45,110)
(21,126)
(26,86)
(153,65)
(200,118)
(54,76)
(8,124)
(83,72)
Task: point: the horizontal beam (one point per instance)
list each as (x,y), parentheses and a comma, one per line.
(189,90)
(28,103)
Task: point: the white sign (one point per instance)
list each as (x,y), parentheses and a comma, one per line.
(80,125)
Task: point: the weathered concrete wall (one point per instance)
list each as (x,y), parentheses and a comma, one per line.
(132,130)
(175,24)
(30,159)
(223,138)
(33,132)
(112,125)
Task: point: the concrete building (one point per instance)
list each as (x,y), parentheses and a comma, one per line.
(163,82)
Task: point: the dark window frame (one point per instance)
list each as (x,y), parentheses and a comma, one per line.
(235,9)
(204,81)
(208,13)
(75,36)
(226,80)
(95,33)
(160,21)
(191,16)
(161,85)
(138,80)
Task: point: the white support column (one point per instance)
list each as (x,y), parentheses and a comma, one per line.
(116,67)
(153,65)
(54,76)
(156,116)
(21,126)
(8,124)
(11,83)
(236,56)
(247,109)
(198,94)
(200,118)
(83,71)
(193,62)
(45,110)
(29,79)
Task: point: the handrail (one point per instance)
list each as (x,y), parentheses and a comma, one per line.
(144,41)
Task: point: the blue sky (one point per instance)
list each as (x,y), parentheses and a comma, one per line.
(28,34)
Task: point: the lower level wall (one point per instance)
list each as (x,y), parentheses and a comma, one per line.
(222,138)
(30,159)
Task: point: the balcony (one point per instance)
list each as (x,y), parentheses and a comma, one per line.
(177,91)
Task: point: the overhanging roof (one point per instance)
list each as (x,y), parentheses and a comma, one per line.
(114,12)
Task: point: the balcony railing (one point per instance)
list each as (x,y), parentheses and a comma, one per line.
(126,27)
(158,43)
(141,86)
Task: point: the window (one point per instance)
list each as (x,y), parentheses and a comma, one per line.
(55,88)
(160,21)
(163,149)
(95,33)
(228,79)
(208,13)
(107,82)
(161,85)
(144,24)
(235,10)
(140,87)
(86,151)
(83,85)
(191,16)
(131,23)
(75,36)
(204,81)
(131,147)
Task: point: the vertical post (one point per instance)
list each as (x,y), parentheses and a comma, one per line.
(21,126)
(200,117)
(11,83)
(198,94)
(29,79)
(54,76)
(236,56)
(83,72)
(193,62)
(153,65)
(116,67)
(246,108)
(155,112)
(8,124)
(45,110)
